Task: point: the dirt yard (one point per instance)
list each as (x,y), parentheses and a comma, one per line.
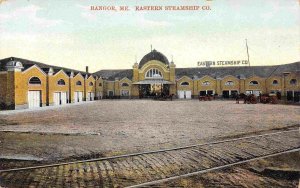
(111,127)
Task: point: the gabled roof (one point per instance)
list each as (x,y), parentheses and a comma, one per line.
(45,67)
(115,73)
(220,72)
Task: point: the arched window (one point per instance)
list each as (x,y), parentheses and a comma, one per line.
(205,83)
(91,84)
(184,84)
(253,82)
(35,81)
(229,83)
(78,83)
(125,85)
(293,82)
(275,82)
(153,73)
(100,84)
(61,82)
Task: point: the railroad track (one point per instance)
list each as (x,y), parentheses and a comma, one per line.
(148,168)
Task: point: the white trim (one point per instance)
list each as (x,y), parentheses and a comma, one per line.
(92,77)
(29,84)
(35,66)
(61,71)
(79,74)
(184,82)
(154,62)
(125,78)
(184,77)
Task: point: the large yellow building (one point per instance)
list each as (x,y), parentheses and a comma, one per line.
(30,84)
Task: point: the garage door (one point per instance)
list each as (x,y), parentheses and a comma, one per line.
(34,99)
(63,98)
(78,96)
(184,94)
(56,98)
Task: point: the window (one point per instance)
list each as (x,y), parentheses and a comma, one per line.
(125,85)
(293,82)
(100,84)
(61,82)
(91,84)
(184,84)
(153,73)
(205,83)
(78,83)
(253,82)
(35,81)
(229,83)
(275,82)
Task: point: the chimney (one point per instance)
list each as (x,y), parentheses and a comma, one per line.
(87,69)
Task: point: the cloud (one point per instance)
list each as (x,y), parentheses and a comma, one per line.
(29,12)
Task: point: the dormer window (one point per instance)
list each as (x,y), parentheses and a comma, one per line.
(253,82)
(229,83)
(78,83)
(35,81)
(91,84)
(293,82)
(125,85)
(205,83)
(275,82)
(184,84)
(61,82)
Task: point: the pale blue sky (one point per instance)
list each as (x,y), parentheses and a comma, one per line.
(67,33)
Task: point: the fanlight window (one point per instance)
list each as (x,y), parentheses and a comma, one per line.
(78,83)
(100,84)
(153,73)
(35,81)
(61,82)
(205,83)
(125,85)
(184,84)
(91,84)
(293,82)
(229,83)
(253,82)
(275,82)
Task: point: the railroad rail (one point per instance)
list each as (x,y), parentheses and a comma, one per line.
(148,168)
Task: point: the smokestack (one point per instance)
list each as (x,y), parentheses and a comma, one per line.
(87,69)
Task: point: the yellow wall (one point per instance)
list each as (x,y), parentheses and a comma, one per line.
(22,85)
(261,84)
(74,87)
(185,79)
(54,87)
(235,86)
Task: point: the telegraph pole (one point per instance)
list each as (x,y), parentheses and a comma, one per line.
(247,52)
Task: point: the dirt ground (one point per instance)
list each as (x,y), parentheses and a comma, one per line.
(111,127)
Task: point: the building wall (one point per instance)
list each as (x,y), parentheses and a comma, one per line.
(22,86)
(202,87)
(90,85)
(54,87)
(261,86)
(3,88)
(74,87)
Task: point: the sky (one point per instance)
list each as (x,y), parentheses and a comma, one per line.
(67,33)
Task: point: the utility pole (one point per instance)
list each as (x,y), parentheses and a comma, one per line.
(247,52)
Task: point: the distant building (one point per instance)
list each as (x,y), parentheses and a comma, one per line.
(30,84)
